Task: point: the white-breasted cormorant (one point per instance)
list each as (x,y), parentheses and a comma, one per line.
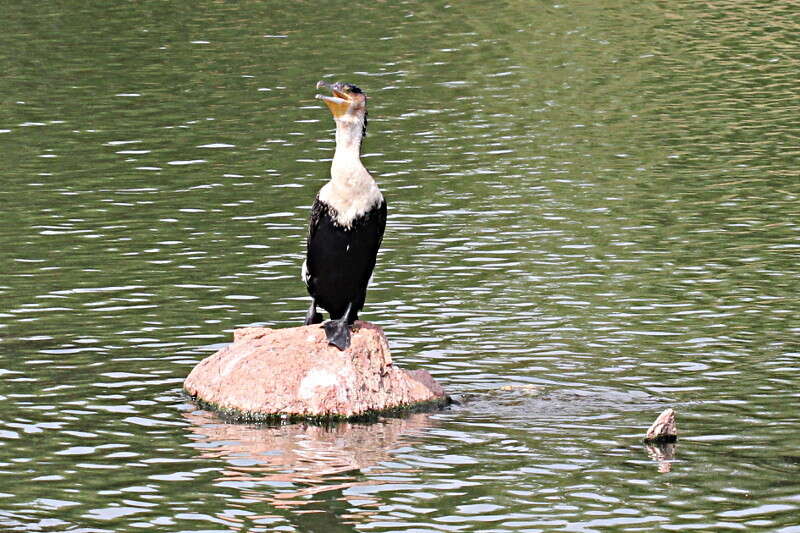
(347,222)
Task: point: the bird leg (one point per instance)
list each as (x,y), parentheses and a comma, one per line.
(312,317)
(338,331)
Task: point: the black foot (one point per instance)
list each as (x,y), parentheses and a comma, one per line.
(315,318)
(338,333)
(312,317)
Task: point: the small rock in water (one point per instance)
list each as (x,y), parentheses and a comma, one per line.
(664,428)
(294,373)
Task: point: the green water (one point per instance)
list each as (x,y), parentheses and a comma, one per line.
(593,215)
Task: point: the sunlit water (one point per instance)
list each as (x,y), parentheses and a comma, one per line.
(593,216)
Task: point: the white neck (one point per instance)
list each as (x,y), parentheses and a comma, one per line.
(346,163)
(351,191)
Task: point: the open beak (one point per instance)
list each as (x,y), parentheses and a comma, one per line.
(339,103)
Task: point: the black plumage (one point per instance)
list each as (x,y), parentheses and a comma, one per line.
(340,260)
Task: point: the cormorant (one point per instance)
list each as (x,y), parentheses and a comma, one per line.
(347,222)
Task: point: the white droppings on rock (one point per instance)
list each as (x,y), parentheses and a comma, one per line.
(315,379)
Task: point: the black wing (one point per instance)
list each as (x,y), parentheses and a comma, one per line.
(381,221)
(313,221)
(378,217)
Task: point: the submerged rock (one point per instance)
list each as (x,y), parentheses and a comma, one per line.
(294,373)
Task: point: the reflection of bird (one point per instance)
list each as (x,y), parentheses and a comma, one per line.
(347,222)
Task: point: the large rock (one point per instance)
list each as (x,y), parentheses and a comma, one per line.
(294,373)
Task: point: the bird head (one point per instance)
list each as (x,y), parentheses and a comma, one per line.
(347,102)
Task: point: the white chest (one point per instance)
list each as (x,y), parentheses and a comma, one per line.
(351,191)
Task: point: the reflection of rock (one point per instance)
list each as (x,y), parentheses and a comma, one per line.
(664,453)
(293,372)
(314,457)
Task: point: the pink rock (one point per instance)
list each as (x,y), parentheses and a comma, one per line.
(293,373)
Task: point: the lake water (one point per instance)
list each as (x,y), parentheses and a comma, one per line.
(594,214)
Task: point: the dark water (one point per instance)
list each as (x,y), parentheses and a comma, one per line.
(594,215)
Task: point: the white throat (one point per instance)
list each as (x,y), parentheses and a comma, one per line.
(351,190)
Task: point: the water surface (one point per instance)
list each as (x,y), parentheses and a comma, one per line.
(593,215)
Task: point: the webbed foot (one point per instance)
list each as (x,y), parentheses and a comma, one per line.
(338,333)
